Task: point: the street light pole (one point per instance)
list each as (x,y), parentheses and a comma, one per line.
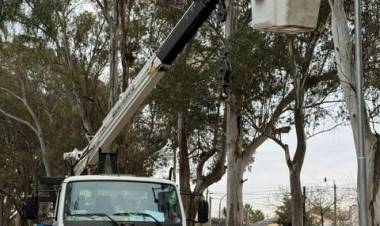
(335,205)
(362,174)
(304,205)
(210,212)
(220,204)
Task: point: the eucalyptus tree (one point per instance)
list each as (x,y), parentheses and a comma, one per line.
(307,99)
(343,46)
(256,99)
(197,121)
(190,100)
(22,82)
(32,108)
(262,93)
(18,159)
(125,29)
(79,38)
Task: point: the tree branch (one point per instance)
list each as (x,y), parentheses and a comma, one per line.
(324,131)
(30,110)
(19,120)
(285,147)
(12,94)
(251,148)
(104,11)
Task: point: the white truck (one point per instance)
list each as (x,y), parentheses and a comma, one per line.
(93,200)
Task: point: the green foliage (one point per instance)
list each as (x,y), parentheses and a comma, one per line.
(284,212)
(84,23)
(251,215)
(9,9)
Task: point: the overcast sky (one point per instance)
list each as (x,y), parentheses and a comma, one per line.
(329,155)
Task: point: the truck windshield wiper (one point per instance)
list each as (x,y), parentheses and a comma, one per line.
(113,221)
(139,214)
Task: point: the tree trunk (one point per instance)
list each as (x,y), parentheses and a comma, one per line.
(184,167)
(346,72)
(192,210)
(1,210)
(114,84)
(191,198)
(295,165)
(235,165)
(373,170)
(45,158)
(235,168)
(125,53)
(297,202)
(20,221)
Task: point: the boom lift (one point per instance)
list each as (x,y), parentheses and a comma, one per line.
(102,200)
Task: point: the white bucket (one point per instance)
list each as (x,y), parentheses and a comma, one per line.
(285,16)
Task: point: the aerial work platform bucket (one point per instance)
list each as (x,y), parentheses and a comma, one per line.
(285,16)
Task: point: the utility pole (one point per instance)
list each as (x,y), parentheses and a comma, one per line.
(220,205)
(335,207)
(304,206)
(322,215)
(246,217)
(210,211)
(362,159)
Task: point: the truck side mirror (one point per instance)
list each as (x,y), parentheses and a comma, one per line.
(202,211)
(31,208)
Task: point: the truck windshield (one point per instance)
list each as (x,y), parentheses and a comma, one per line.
(122,201)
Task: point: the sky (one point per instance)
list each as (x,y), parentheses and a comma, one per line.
(329,155)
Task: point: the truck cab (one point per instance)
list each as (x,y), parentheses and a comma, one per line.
(120,201)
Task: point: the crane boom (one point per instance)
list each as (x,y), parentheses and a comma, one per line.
(131,99)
